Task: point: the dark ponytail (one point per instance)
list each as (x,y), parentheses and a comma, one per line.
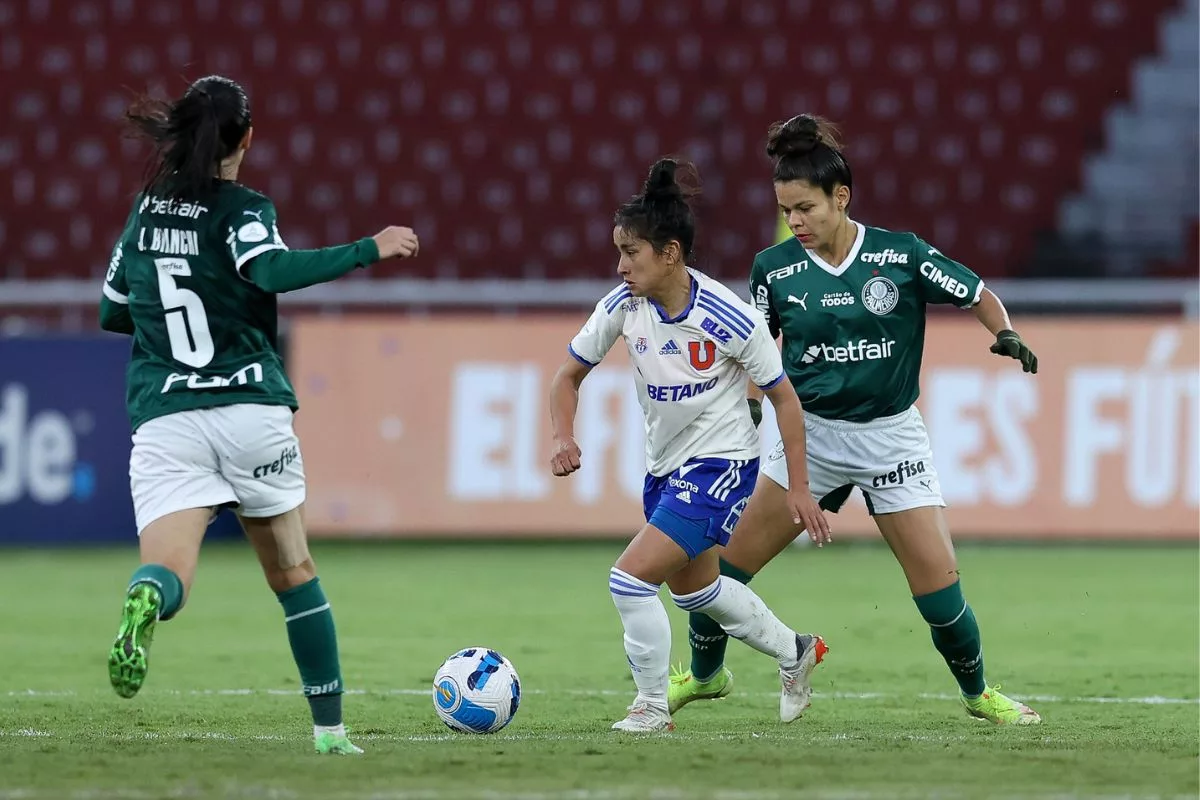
(191,136)
(661,213)
(807,148)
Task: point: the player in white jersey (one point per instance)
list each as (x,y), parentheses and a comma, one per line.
(692,343)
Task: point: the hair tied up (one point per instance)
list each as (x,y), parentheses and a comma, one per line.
(801,135)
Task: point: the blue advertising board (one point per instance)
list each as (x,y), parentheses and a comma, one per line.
(65,442)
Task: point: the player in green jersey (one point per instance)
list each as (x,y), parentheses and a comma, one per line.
(193,280)
(849,301)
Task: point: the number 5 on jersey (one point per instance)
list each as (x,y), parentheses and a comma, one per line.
(187,322)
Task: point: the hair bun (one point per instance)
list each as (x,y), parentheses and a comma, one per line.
(671,179)
(800,135)
(661,183)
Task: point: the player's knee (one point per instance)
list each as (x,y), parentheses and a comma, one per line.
(280,579)
(699,600)
(627,589)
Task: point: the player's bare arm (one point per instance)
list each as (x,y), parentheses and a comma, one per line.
(790,418)
(564,401)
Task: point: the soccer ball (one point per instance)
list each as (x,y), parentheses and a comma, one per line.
(476,691)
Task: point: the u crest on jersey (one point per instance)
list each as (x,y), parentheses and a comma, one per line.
(702,354)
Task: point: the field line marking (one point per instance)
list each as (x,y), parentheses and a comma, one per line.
(1032,698)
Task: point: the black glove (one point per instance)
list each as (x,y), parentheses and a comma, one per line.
(1009,343)
(755,410)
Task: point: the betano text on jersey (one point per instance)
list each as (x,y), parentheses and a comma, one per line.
(689,371)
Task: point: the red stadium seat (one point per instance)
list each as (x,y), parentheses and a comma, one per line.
(508,132)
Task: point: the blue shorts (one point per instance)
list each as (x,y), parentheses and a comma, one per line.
(699,504)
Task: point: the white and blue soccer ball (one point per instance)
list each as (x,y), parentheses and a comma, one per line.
(476,690)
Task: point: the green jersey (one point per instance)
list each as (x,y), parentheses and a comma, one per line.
(204,335)
(853,334)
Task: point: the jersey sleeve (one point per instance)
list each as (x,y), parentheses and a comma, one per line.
(760,295)
(253,230)
(760,357)
(944,280)
(601,331)
(116,289)
(114,301)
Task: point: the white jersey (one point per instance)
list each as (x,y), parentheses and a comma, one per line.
(689,371)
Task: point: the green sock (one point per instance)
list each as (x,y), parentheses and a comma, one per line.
(169,587)
(707,639)
(314,646)
(955,635)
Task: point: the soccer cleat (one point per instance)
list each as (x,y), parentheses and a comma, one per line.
(797,681)
(684,688)
(129,658)
(999,709)
(335,744)
(645,718)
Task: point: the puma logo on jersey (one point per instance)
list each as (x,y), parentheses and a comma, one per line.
(256,214)
(801,301)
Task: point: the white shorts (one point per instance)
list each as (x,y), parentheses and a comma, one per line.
(889,459)
(244,455)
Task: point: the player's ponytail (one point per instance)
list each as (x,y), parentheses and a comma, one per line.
(191,136)
(808,148)
(662,212)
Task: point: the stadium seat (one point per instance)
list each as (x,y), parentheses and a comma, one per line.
(508,132)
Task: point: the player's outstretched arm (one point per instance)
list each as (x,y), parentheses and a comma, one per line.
(790,417)
(992,314)
(288,270)
(564,402)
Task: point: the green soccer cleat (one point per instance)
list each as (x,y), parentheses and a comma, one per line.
(128,661)
(335,744)
(1000,709)
(683,688)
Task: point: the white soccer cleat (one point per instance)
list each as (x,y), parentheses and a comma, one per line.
(797,682)
(645,718)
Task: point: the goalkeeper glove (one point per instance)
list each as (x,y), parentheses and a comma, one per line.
(755,410)
(1009,343)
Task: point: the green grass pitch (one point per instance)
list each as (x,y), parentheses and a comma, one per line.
(1102,640)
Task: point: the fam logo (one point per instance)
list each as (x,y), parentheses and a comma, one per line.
(641,345)
(880,295)
(786,272)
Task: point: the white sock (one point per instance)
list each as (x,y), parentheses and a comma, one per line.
(744,616)
(647,634)
(336,730)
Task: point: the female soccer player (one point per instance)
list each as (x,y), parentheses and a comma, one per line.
(193,280)
(850,302)
(692,343)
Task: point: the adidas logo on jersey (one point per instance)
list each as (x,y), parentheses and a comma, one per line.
(684,497)
(862,350)
(670,349)
(888,256)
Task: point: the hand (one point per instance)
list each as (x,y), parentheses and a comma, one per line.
(806,512)
(566,457)
(397,241)
(755,410)
(1009,343)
